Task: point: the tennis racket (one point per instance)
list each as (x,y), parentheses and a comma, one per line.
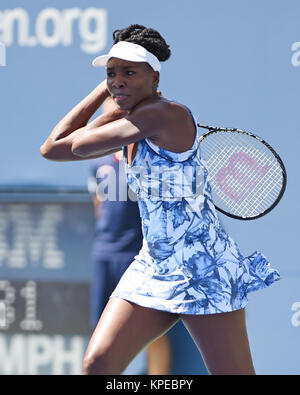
(247,176)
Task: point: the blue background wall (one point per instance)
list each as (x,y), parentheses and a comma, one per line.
(234,63)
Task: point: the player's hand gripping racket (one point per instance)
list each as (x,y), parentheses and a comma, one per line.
(247,176)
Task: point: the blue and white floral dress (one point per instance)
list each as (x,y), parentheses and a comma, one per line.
(188,264)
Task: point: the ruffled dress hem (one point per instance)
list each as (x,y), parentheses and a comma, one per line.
(256,274)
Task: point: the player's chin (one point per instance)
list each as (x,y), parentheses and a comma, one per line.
(125,104)
(128,106)
(136,102)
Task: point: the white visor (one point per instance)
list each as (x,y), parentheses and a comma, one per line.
(128,51)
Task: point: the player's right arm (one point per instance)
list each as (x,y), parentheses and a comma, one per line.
(58,145)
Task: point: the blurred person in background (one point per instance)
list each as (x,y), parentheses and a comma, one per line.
(118,238)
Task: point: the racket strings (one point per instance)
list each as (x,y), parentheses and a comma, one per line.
(251,203)
(256,200)
(245,178)
(255,153)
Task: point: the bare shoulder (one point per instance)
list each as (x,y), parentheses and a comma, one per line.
(175,115)
(164,114)
(163,107)
(176,126)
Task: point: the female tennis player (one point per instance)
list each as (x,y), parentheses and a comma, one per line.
(188,267)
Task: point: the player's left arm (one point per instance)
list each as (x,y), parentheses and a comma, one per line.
(144,121)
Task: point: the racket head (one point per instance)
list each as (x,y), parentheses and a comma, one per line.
(247,176)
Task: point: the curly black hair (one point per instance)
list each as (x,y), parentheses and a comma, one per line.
(146,37)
